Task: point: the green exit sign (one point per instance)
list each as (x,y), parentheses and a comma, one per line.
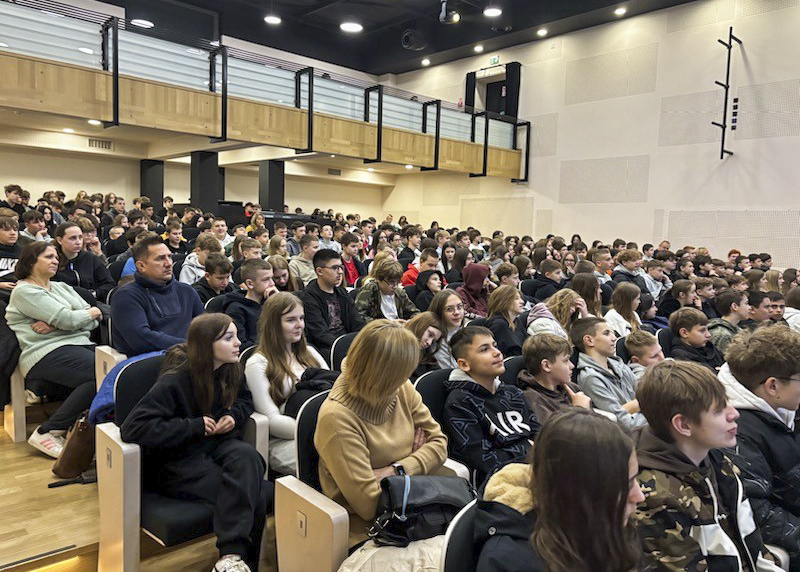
(494,60)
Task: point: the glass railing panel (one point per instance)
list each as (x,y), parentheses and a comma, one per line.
(152,58)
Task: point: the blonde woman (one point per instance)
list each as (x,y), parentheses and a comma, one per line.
(557,315)
(505,307)
(374,422)
(379,257)
(623,318)
(774,280)
(256,221)
(280,359)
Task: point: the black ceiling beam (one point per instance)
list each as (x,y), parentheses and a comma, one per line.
(319,8)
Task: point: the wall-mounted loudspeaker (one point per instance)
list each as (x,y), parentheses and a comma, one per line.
(413,39)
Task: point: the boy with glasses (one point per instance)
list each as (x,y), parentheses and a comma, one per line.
(330,312)
(383,297)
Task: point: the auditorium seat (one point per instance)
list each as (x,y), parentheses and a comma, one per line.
(458,553)
(14,412)
(339,350)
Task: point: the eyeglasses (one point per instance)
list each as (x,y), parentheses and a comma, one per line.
(391,284)
(335,268)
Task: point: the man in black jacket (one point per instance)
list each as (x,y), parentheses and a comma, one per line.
(762,380)
(411,251)
(330,312)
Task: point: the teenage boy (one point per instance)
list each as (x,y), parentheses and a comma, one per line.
(693,340)
(165,208)
(549,280)
(603,263)
(217,280)
(13,199)
(411,250)
(545,379)
(330,312)
(706,292)
(644,350)
(762,381)
(173,237)
(654,278)
(117,208)
(220,229)
(326,238)
(647,251)
(193,268)
(302,265)
(488,423)
(428,260)
(250,249)
(628,269)
(777,306)
(733,306)
(670,264)
(353,267)
(602,376)
(507,275)
(293,244)
(476,244)
(685,269)
(35,228)
(9,252)
(279,229)
(759,310)
(695,515)
(244,310)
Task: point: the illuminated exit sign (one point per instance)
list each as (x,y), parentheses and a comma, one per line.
(494,60)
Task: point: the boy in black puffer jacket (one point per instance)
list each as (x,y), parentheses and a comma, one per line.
(693,340)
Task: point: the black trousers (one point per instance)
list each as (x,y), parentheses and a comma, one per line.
(71,368)
(227,474)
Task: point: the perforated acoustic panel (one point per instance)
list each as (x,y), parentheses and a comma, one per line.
(544,135)
(777,232)
(438,189)
(511,212)
(699,14)
(544,222)
(618,74)
(769,110)
(686,119)
(658,225)
(609,180)
(753,7)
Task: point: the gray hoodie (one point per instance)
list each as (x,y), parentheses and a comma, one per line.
(192,270)
(742,398)
(609,390)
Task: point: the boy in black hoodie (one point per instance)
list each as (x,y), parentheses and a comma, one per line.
(693,340)
(9,252)
(217,280)
(549,279)
(245,310)
(488,423)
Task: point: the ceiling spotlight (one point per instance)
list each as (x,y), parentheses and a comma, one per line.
(332,156)
(492,11)
(140,23)
(409,166)
(68,130)
(448,13)
(94,122)
(620,11)
(87,51)
(351,27)
(371,169)
(426,62)
(541,32)
(272,19)
(478,49)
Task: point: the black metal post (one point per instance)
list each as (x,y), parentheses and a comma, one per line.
(113,24)
(297,103)
(271,191)
(379,138)
(438,131)
(151,180)
(726,86)
(223,51)
(485,143)
(527,126)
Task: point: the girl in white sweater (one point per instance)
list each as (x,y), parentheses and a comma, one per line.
(274,369)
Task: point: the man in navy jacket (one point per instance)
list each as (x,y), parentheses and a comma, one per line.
(154,311)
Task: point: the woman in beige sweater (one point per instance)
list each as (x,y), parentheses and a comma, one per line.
(374,422)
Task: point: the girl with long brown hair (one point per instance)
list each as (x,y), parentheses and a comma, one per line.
(285,280)
(280,359)
(506,320)
(428,330)
(190,425)
(623,318)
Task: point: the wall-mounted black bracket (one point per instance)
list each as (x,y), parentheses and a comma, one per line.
(297,82)
(726,86)
(437,131)
(485,142)
(222,51)
(110,43)
(379,138)
(526,170)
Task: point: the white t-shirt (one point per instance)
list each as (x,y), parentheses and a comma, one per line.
(388,307)
(280,425)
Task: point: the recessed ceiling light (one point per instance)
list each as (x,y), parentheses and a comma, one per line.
(620,11)
(333,156)
(140,23)
(195,52)
(492,11)
(371,169)
(3,45)
(478,49)
(272,19)
(95,122)
(68,130)
(351,27)
(88,51)
(409,166)
(541,32)
(426,62)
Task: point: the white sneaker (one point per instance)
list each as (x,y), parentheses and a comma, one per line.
(47,443)
(231,564)
(31,398)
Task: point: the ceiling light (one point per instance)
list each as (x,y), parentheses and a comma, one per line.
(95,122)
(492,11)
(195,52)
(478,49)
(333,156)
(272,19)
(88,51)
(68,130)
(409,166)
(541,32)
(351,27)
(140,23)
(426,62)
(3,45)
(448,14)
(371,169)
(620,11)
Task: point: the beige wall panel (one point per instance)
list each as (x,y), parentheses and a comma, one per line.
(344,136)
(267,124)
(400,146)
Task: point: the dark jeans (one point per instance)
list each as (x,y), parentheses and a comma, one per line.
(72,368)
(227,474)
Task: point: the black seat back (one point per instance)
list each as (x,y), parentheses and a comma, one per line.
(177,264)
(215,304)
(431,387)
(527,287)
(132,383)
(306,425)
(339,350)
(190,232)
(574,359)
(353,293)
(460,554)
(454,285)
(115,269)
(666,339)
(514,365)
(246,354)
(622,351)
(411,292)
